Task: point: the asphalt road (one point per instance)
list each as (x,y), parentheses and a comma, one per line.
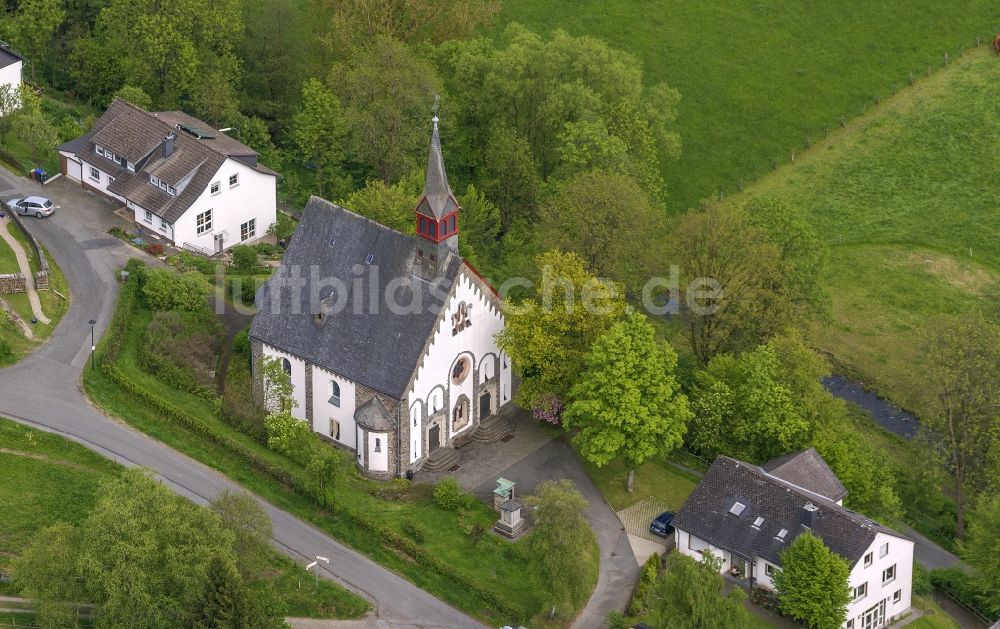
(44,391)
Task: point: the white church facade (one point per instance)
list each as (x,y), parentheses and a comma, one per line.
(389,338)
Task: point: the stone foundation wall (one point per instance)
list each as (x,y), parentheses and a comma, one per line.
(12,283)
(41,280)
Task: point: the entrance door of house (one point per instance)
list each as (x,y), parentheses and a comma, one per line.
(433,438)
(218,243)
(874,618)
(485,407)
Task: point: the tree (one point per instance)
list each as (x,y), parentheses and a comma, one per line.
(323,472)
(561,541)
(409,20)
(627,402)
(250,526)
(289,436)
(393,205)
(254,133)
(35,22)
(732,277)
(689,596)
(318,130)
(35,130)
(277,386)
(509,175)
(980,550)
(607,219)
(46,573)
(144,552)
(165,290)
(10,102)
(812,583)
(963,358)
(222,599)
(743,408)
(549,337)
(479,219)
(135,95)
(245,258)
(388,93)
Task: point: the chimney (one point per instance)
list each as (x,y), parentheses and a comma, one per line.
(168,145)
(809,514)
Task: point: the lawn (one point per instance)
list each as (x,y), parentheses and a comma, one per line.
(657,479)
(758,77)
(934,617)
(8,262)
(906,197)
(501,566)
(48,479)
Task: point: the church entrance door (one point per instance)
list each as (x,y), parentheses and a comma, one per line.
(485,407)
(433,438)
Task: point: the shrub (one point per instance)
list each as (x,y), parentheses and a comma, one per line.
(117,232)
(180,349)
(6,352)
(241,344)
(644,589)
(447,494)
(154,249)
(921,579)
(960,586)
(244,258)
(415,532)
(166,290)
(617,620)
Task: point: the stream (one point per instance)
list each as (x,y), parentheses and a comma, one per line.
(885,413)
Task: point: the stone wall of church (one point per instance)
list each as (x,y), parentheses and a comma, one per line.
(364,394)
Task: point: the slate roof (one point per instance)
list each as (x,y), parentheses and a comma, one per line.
(808,470)
(379,349)
(706,514)
(137,135)
(437,200)
(8,56)
(373,416)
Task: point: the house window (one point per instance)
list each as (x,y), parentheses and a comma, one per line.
(248,229)
(860,592)
(769,570)
(163,224)
(868,559)
(163,185)
(111,180)
(378,444)
(234,180)
(889,574)
(95,174)
(884,550)
(850,624)
(148,217)
(172,191)
(203,222)
(334,393)
(897,596)
(99,150)
(286,366)
(215,187)
(335,429)
(153,180)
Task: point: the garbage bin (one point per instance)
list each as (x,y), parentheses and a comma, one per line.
(39,175)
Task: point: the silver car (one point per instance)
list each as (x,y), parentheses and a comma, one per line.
(32,206)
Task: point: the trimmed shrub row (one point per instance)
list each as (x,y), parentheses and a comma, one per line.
(390,539)
(958,585)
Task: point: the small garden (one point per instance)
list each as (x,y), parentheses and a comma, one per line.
(443,544)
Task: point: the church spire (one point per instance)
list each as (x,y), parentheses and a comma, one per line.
(437,210)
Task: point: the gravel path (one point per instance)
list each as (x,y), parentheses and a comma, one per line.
(22,261)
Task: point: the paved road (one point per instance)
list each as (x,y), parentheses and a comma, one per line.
(43,390)
(618,571)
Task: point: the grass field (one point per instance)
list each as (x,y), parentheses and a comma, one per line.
(490,561)
(759,77)
(656,479)
(907,197)
(48,479)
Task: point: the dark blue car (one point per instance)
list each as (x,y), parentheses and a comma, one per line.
(662,524)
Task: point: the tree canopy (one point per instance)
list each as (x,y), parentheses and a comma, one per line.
(812,583)
(689,596)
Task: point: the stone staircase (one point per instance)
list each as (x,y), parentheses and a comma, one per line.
(440,460)
(494,429)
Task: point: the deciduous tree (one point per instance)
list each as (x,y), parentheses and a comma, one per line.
(689,596)
(46,572)
(250,525)
(627,402)
(561,541)
(981,549)
(35,130)
(135,95)
(812,583)
(549,336)
(318,130)
(10,101)
(391,205)
(34,24)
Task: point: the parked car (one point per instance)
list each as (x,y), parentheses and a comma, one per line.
(32,206)
(662,524)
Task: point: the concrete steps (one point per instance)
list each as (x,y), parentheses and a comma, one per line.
(441,459)
(494,429)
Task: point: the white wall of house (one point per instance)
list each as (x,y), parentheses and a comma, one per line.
(325,412)
(74,168)
(762,578)
(100,179)
(358,437)
(253,197)
(378,451)
(693,546)
(899,557)
(11,75)
(298,377)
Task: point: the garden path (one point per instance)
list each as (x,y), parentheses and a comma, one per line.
(22,261)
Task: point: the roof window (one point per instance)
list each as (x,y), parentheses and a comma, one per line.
(737,508)
(782,534)
(758,522)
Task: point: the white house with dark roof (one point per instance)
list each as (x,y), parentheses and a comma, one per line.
(184,182)
(748,514)
(11,67)
(389,338)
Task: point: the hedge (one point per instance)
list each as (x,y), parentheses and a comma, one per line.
(390,539)
(958,585)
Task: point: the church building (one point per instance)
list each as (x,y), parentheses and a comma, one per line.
(389,338)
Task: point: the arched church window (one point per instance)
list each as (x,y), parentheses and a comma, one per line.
(286,366)
(334,393)
(378,444)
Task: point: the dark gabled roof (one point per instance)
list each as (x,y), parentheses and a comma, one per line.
(8,56)
(377,348)
(437,200)
(137,134)
(808,470)
(706,514)
(373,416)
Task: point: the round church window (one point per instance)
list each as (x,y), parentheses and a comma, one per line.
(461,370)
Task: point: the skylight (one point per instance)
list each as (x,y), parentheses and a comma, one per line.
(758,522)
(737,508)
(369,259)
(781,535)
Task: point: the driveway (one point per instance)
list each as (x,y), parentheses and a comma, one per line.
(44,391)
(619,571)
